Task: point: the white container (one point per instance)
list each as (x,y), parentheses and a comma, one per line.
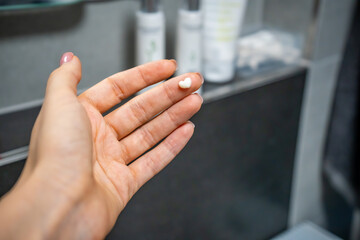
(189,38)
(222,24)
(150,34)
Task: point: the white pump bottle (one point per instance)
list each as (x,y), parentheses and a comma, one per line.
(189,37)
(150,33)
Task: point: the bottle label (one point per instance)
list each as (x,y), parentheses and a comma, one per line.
(223,19)
(189,48)
(150,45)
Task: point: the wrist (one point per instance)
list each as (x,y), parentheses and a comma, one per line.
(19,219)
(30,212)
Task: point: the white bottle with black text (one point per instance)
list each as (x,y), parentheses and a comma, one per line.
(150,33)
(189,38)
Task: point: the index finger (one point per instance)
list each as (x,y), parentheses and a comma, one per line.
(112,90)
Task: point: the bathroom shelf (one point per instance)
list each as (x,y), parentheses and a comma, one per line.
(40,5)
(213,92)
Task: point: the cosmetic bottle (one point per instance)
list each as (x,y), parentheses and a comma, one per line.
(189,37)
(222,24)
(150,33)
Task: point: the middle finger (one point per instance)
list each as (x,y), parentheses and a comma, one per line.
(144,107)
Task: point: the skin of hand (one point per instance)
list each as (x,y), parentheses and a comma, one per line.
(84,167)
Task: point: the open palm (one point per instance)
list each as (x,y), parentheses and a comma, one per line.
(96,163)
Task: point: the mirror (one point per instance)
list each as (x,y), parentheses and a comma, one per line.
(30,4)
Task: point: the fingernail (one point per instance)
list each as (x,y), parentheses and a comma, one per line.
(202,100)
(192,124)
(173,61)
(201,76)
(66,57)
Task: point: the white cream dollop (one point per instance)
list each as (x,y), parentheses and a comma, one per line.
(186,83)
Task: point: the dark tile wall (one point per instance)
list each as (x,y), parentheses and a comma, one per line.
(233,180)
(15,128)
(8,176)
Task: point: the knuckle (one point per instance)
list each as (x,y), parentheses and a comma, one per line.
(168,92)
(117,89)
(151,165)
(170,146)
(76,74)
(141,74)
(59,73)
(172,117)
(125,152)
(54,74)
(138,111)
(148,137)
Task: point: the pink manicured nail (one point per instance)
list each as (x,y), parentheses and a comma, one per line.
(66,57)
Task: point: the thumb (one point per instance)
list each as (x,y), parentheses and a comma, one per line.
(65,78)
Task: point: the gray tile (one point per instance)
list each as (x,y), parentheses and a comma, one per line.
(253,16)
(9,174)
(306,231)
(31,44)
(306,196)
(289,15)
(333,26)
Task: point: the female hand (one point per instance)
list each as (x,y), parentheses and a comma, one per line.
(84,167)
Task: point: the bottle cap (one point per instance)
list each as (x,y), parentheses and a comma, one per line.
(150,6)
(191,5)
